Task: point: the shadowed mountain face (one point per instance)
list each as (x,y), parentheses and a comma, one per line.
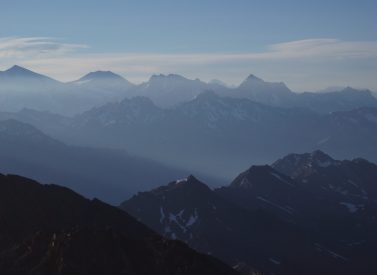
(351,179)
(47,229)
(343,100)
(216,135)
(306,208)
(188,210)
(103,173)
(309,188)
(305,214)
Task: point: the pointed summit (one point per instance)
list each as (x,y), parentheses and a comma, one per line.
(294,164)
(18,72)
(18,69)
(251,80)
(190,183)
(258,90)
(320,155)
(168,77)
(252,77)
(104,80)
(108,75)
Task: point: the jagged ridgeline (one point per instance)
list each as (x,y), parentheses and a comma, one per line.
(305,214)
(48,229)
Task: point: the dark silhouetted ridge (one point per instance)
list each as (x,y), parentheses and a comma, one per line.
(47,230)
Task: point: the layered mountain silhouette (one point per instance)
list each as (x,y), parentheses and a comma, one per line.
(258,90)
(21,88)
(305,214)
(103,173)
(188,210)
(216,135)
(48,229)
(16,75)
(170,90)
(102,136)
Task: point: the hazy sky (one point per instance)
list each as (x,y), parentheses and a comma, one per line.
(307,44)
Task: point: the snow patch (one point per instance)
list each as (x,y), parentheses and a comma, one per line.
(324,164)
(272,260)
(352,208)
(276,205)
(193,219)
(181,180)
(245,182)
(331,253)
(280,178)
(179,220)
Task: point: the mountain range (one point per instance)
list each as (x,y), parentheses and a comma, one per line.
(106,138)
(305,214)
(212,134)
(161,119)
(103,173)
(48,230)
(21,88)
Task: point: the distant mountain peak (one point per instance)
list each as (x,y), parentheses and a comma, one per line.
(101,75)
(188,180)
(252,77)
(16,130)
(157,77)
(191,183)
(299,163)
(320,155)
(259,85)
(16,68)
(18,71)
(319,158)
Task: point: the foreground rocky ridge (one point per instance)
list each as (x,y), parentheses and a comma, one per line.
(307,214)
(47,229)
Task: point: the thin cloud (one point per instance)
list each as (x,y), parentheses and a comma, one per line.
(66,61)
(322,48)
(31,47)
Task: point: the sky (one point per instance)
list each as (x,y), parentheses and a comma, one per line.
(309,45)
